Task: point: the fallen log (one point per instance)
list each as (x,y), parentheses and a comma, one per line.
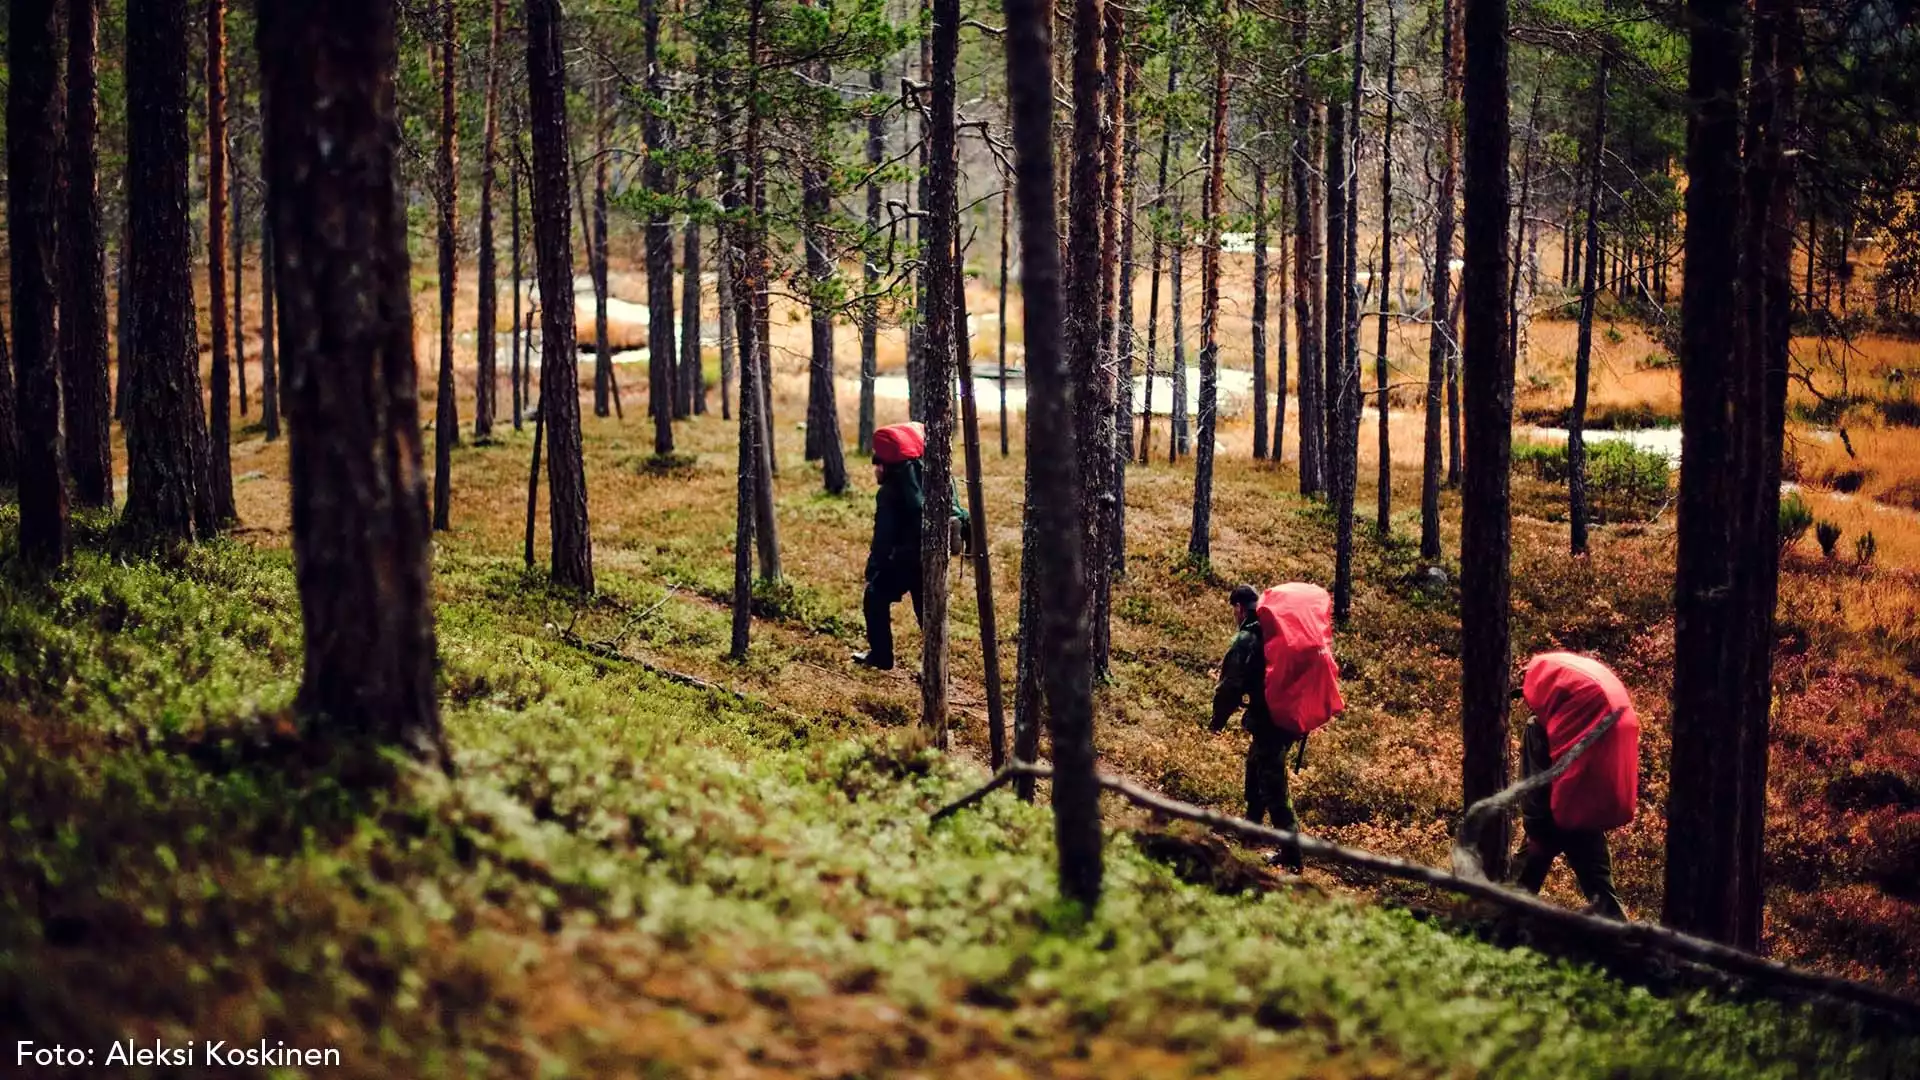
(1762,973)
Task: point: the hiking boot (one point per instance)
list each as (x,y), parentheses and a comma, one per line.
(867,659)
(1288,861)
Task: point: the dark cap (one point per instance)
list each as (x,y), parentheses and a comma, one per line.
(1243,594)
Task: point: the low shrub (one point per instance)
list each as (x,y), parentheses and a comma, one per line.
(1796,517)
(1864,548)
(1828,534)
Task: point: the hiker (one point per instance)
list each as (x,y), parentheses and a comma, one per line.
(1568,694)
(893,560)
(1280,668)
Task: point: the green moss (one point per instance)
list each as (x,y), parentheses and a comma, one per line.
(594,799)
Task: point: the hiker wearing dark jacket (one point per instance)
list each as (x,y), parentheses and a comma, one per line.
(1585,849)
(1243,682)
(893,560)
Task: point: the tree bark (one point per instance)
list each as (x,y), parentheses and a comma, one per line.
(446,422)
(823,409)
(1589,294)
(1060,615)
(725,288)
(360,534)
(238,243)
(1383,486)
(660,343)
(1307,264)
(1123,388)
(1440,343)
(692,382)
(1260,313)
(1097,410)
(33,105)
(1177,409)
(269,328)
(1199,549)
(1486,524)
(514,373)
(942,284)
(1153,270)
(1006,227)
(219,417)
(1282,290)
(1084,280)
(9,458)
(739,268)
(86,396)
(1333,346)
(606,393)
(982,558)
(486,335)
(165,422)
(1347,400)
(572,543)
(870,281)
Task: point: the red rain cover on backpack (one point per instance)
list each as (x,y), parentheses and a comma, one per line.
(1570,694)
(1303,683)
(896,443)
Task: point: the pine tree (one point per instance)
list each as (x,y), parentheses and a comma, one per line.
(360,532)
(220,408)
(33,105)
(446,423)
(85,396)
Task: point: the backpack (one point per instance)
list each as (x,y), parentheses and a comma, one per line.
(1571,693)
(899,442)
(1302,680)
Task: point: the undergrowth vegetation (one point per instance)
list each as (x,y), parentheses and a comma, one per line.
(627,876)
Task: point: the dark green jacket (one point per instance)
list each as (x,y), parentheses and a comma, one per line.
(1243,679)
(897,510)
(1536,806)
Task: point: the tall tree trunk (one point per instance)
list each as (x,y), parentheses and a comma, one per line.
(1177,411)
(977,545)
(1260,313)
(122,343)
(1282,290)
(572,543)
(1589,293)
(1486,524)
(220,414)
(1084,279)
(1383,486)
(514,373)
(269,328)
(1123,388)
(1440,342)
(238,242)
(360,536)
(83,273)
(944,300)
(1006,226)
(917,329)
(1735,326)
(738,268)
(758,352)
(446,413)
(823,409)
(597,248)
(486,335)
(1199,550)
(9,458)
(725,288)
(1347,398)
(533,470)
(1333,347)
(1153,269)
(692,382)
(33,105)
(165,423)
(1307,265)
(1053,455)
(660,344)
(1097,465)
(870,281)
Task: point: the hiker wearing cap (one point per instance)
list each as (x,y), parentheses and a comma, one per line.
(1568,695)
(893,559)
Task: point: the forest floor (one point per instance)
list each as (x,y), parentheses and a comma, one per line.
(630,877)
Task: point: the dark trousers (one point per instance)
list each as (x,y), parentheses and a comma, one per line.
(882,592)
(1267,794)
(1587,855)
